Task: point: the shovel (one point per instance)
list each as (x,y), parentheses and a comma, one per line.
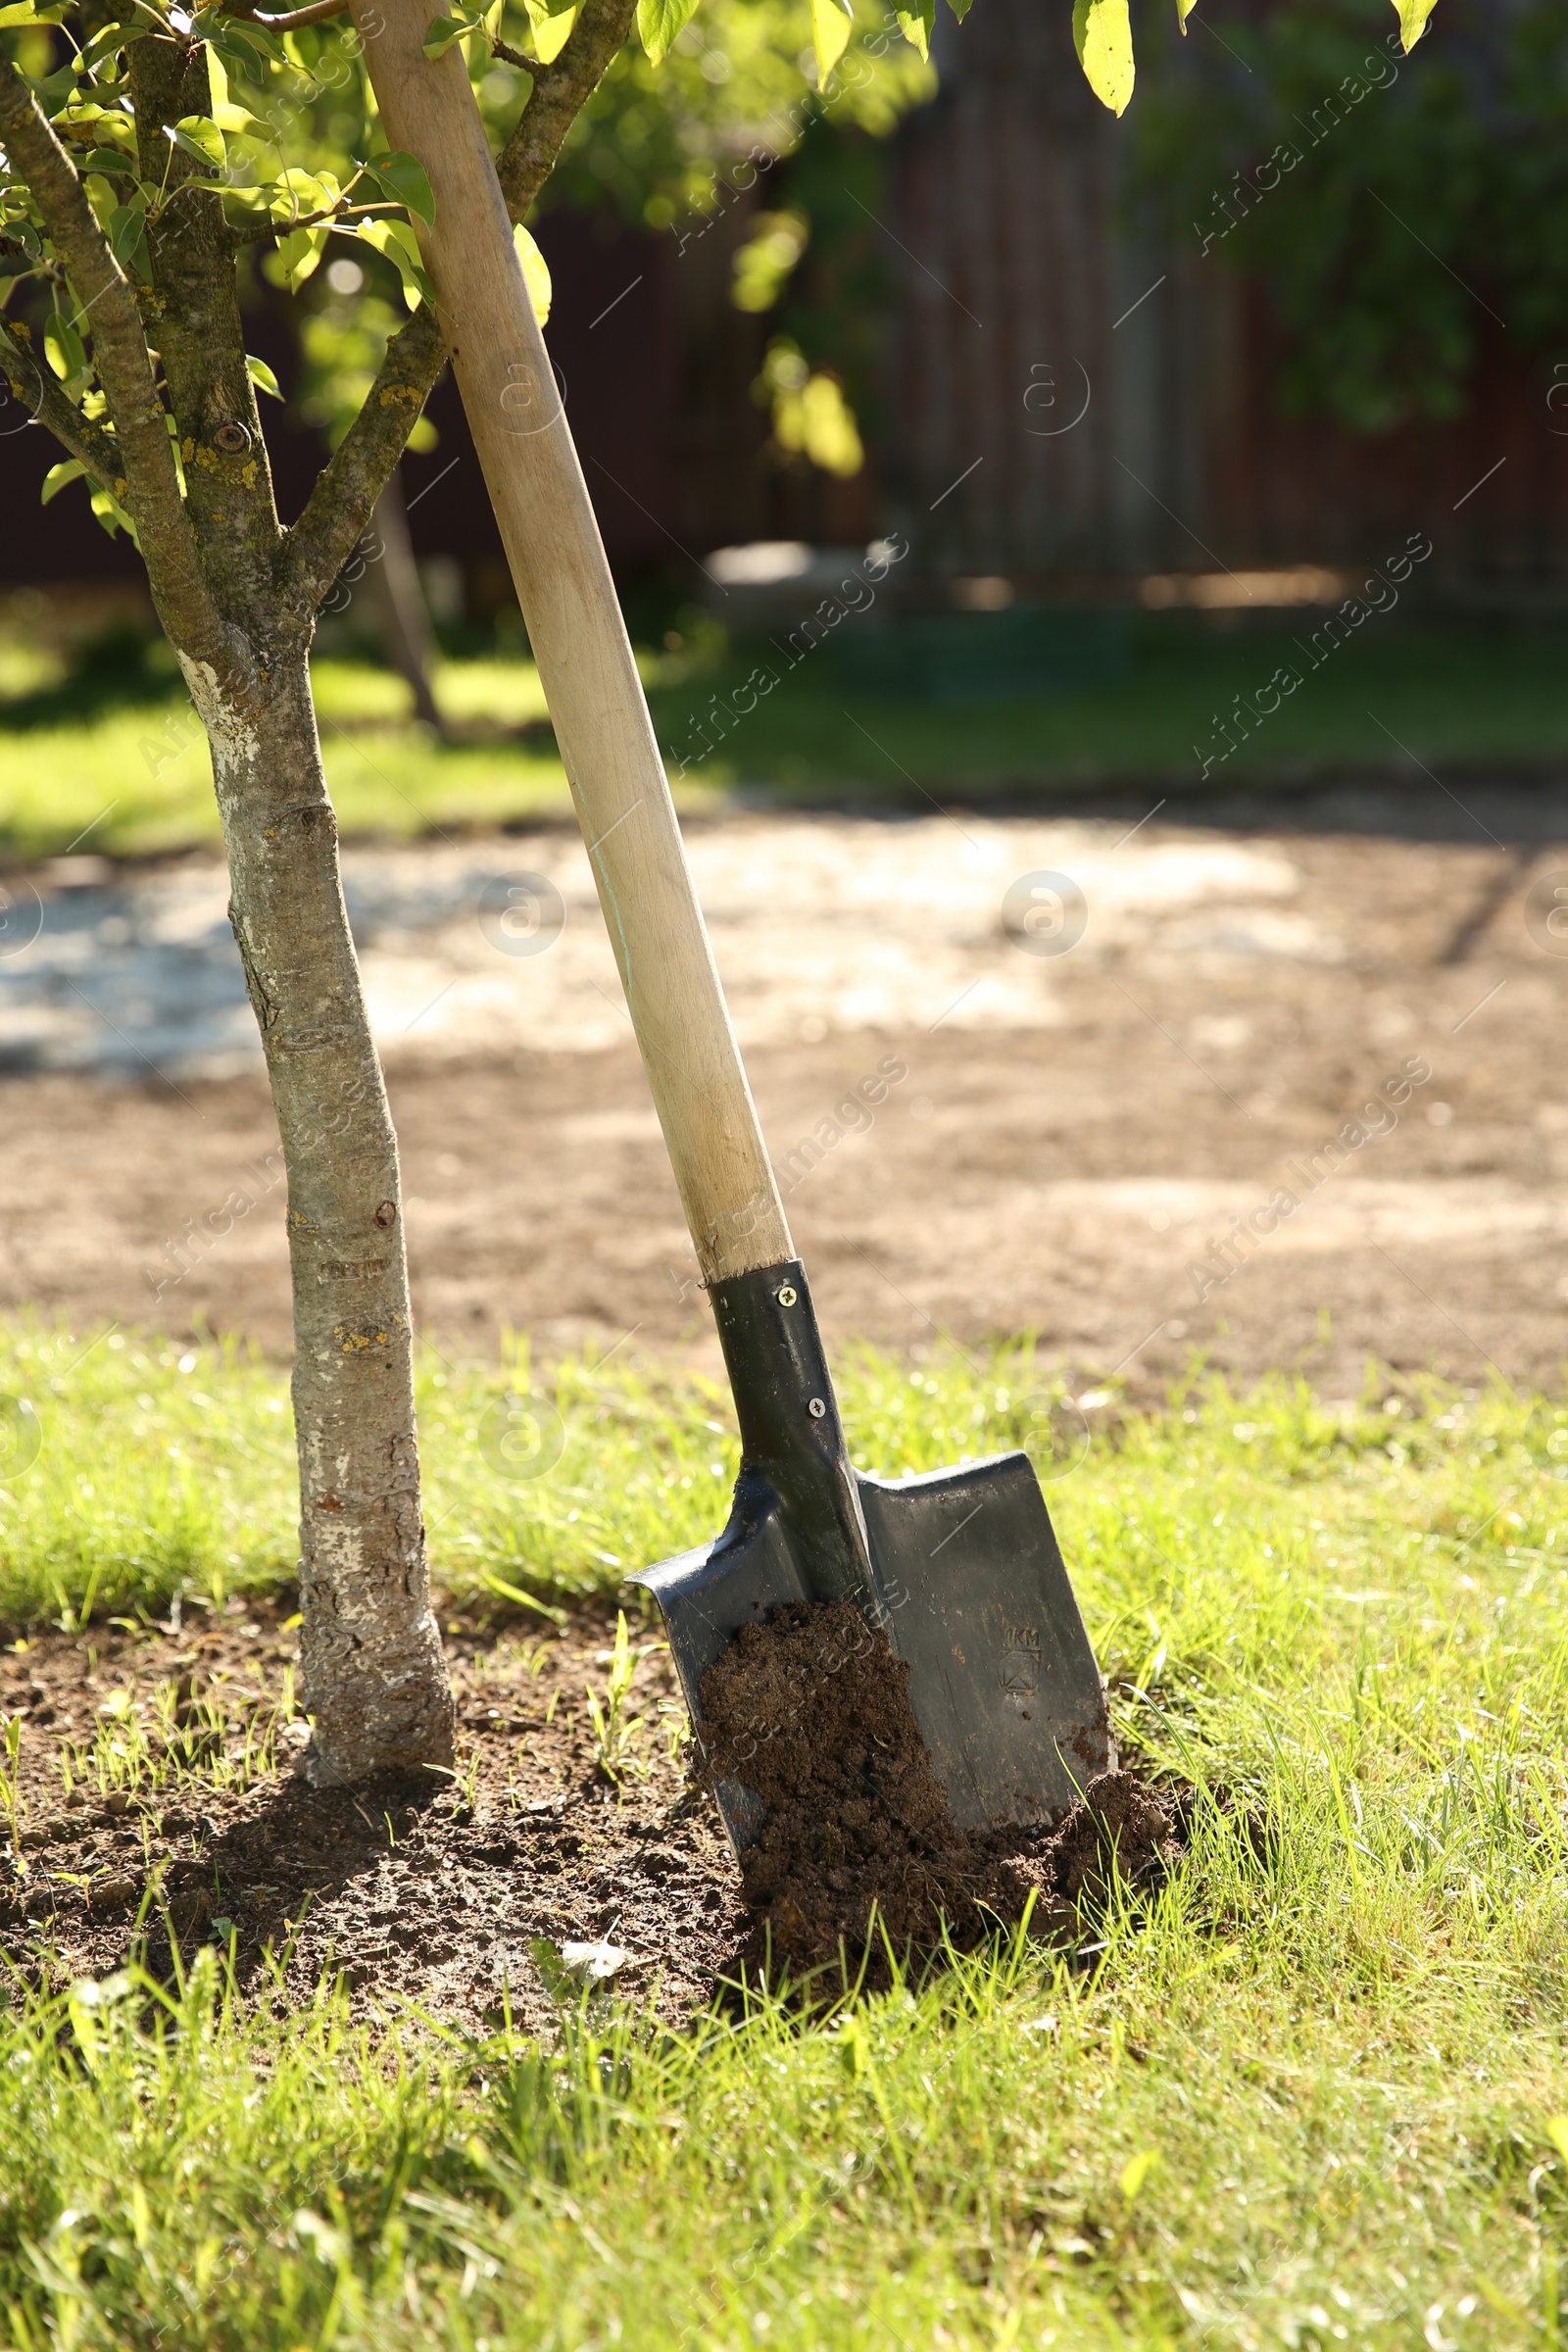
(960,1569)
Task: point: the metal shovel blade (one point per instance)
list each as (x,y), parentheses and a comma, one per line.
(960,1568)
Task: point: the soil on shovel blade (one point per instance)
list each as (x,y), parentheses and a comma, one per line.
(813,1712)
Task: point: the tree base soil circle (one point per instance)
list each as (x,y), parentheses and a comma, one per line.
(160,1811)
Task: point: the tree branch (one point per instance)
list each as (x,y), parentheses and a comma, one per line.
(316,547)
(318,14)
(559,95)
(145,459)
(82,440)
(259,229)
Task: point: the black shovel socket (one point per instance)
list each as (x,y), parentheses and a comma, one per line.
(960,1568)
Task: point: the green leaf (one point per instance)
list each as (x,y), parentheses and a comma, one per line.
(444,30)
(127,227)
(56,90)
(403,178)
(832,22)
(241,45)
(1104,39)
(103,44)
(69,470)
(1413,15)
(535,273)
(300,253)
(552,27)
(1184,9)
(299,192)
(915,25)
(397,240)
(23,12)
(256,204)
(198,135)
(658,24)
(104,159)
(64,349)
(262,376)
(112,514)
(959,8)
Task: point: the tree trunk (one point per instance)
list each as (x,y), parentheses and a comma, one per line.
(372,1671)
(402,614)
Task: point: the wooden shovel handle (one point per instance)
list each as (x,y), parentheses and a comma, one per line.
(579,641)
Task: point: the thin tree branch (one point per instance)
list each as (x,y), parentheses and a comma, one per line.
(559,95)
(285,228)
(146,460)
(82,440)
(316,547)
(293,18)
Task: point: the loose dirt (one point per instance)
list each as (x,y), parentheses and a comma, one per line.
(415,1887)
(159,1811)
(813,1712)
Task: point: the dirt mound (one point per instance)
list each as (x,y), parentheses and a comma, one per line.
(813,1712)
(1122,1827)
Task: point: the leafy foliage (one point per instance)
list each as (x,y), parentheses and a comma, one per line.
(290,138)
(1404,211)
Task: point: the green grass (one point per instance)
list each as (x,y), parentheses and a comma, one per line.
(1449,694)
(130,761)
(117,749)
(1315,2092)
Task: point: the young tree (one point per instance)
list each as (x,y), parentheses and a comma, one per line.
(136,195)
(116,200)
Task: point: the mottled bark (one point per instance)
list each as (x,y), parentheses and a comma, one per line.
(372,1673)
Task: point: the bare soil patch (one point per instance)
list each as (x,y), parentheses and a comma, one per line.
(416,1887)
(1068,1142)
(432,1889)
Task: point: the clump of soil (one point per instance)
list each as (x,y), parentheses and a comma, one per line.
(1121,1825)
(813,1712)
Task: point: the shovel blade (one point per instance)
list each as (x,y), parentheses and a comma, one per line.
(970,1589)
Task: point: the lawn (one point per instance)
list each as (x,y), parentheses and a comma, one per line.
(1312,2092)
(111,756)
